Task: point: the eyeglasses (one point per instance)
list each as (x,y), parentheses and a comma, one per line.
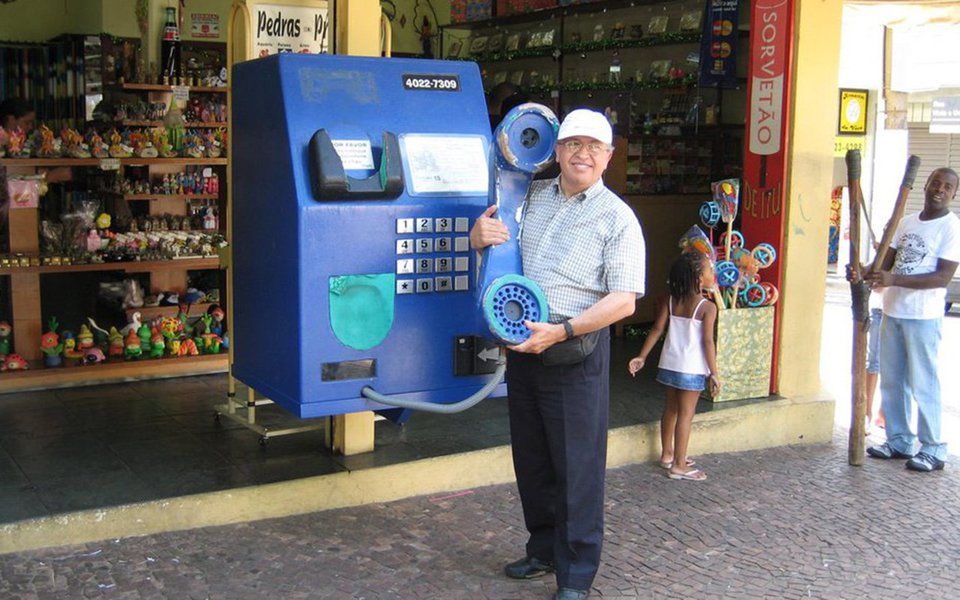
(593,148)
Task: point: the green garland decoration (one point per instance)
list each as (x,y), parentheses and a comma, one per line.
(679,37)
(625,86)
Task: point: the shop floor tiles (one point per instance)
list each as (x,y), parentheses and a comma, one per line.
(90,447)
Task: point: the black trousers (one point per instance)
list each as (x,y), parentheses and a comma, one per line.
(558,432)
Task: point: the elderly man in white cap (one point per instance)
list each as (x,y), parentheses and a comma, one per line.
(583,246)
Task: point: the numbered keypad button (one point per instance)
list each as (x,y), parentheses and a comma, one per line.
(461,263)
(461,225)
(461,244)
(444,264)
(404,246)
(443,284)
(461,283)
(424,225)
(424,265)
(424,245)
(424,286)
(405,286)
(405,266)
(442,244)
(444,225)
(404,225)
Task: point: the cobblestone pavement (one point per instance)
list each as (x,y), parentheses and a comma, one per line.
(794,522)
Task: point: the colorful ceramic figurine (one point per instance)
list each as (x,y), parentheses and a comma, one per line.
(14,362)
(17,143)
(84,338)
(46,147)
(188,347)
(193,146)
(216,324)
(183,317)
(143,332)
(93,356)
(5,331)
(212,145)
(94,242)
(101,335)
(116,342)
(73,146)
(70,351)
(161,141)
(157,345)
(50,345)
(131,347)
(97,147)
(117,148)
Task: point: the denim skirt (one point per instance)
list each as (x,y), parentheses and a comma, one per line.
(682,381)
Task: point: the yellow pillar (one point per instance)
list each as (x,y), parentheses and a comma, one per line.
(358,34)
(809,176)
(358,27)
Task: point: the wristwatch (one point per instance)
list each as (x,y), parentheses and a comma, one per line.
(568,328)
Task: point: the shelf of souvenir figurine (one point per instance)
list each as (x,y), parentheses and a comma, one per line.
(154,87)
(57,264)
(108,164)
(167,196)
(187,125)
(667,184)
(38,377)
(575,48)
(170,310)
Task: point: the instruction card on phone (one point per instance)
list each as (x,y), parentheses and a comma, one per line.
(445,164)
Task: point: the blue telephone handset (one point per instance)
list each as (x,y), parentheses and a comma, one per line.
(523,144)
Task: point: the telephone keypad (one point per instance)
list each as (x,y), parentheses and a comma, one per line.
(435,254)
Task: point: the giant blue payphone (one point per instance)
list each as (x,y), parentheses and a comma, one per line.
(356,183)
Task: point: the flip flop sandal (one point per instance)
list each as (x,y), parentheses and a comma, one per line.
(692,475)
(669,465)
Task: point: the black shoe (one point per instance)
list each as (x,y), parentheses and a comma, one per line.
(528,568)
(925,462)
(571,594)
(885,451)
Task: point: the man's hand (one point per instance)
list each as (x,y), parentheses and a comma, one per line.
(878,279)
(487,231)
(544,335)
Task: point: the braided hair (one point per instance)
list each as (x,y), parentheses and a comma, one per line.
(685,273)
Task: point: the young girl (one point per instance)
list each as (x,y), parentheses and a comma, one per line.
(688,359)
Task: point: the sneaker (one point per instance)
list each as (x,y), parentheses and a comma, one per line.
(885,451)
(925,462)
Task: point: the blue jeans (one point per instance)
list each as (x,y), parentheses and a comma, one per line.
(908,362)
(873,341)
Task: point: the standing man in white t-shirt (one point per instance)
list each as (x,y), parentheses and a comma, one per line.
(926,254)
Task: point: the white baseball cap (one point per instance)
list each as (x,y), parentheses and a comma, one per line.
(588,123)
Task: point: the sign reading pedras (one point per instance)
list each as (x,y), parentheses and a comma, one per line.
(444,83)
(285,28)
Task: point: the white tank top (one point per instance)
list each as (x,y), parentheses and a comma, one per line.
(683,348)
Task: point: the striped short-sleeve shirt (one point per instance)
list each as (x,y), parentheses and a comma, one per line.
(580,249)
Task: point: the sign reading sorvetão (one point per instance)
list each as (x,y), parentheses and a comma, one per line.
(284,28)
(945,115)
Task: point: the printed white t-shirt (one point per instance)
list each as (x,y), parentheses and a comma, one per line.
(919,245)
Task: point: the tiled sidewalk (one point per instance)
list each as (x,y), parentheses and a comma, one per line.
(792,522)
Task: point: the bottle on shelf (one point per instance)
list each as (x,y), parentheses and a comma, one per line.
(170,49)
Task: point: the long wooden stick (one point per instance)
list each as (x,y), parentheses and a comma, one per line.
(861,315)
(909,176)
(860,293)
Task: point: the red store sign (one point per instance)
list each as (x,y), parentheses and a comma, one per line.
(764,169)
